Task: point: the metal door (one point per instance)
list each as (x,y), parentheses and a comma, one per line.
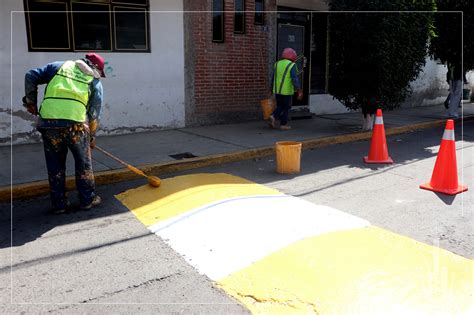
(293,36)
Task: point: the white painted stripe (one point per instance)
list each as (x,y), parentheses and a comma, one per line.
(227,236)
(379,120)
(448,134)
(155,228)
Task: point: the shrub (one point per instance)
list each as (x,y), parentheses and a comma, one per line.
(373,56)
(446,44)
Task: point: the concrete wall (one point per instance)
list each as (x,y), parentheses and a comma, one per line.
(430,88)
(142,90)
(321,104)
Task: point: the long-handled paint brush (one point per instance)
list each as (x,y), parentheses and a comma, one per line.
(152,180)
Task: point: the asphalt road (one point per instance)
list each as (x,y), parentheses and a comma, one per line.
(106,261)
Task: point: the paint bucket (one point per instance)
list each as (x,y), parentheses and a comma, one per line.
(288,156)
(268,106)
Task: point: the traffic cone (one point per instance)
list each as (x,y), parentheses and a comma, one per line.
(445,172)
(378,153)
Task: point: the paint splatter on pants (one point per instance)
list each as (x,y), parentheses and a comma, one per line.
(56,142)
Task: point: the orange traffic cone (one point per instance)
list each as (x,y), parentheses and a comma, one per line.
(378,153)
(445,172)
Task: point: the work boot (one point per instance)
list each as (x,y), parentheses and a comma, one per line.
(271,121)
(61,210)
(58,211)
(95,202)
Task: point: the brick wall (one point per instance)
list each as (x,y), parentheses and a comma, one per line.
(226,81)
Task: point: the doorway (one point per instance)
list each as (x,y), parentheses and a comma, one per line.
(294,30)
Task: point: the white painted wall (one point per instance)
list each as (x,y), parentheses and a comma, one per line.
(430,88)
(321,104)
(142,90)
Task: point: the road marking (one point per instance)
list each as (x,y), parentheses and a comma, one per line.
(183,193)
(280,254)
(365,271)
(225,237)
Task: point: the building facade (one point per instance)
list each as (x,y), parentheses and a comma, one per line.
(144,88)
(227,59)
(174,63)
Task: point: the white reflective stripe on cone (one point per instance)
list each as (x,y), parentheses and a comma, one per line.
(379,120)
(448,134)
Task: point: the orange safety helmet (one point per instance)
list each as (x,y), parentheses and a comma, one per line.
(289,53)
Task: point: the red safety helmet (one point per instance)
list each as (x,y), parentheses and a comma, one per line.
(98,62)
(289,53)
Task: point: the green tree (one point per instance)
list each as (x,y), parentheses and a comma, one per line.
(448,45)
(373,56)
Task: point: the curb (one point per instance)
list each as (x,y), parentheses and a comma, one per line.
(38,188)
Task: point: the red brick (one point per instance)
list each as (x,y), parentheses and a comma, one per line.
(230,76)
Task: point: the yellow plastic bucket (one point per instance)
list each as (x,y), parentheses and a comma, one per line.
(268,106)
(288,156)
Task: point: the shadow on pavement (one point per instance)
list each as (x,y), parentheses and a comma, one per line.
(405,149)
(31,217)
(448,200)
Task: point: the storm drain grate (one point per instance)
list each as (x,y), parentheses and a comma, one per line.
(181,156)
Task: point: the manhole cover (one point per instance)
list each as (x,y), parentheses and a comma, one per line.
(181,156)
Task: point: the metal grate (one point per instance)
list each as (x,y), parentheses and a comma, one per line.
(182,156)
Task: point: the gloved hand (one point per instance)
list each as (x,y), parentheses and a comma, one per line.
(300,95)
(93,125)
(30,107)
(92,142)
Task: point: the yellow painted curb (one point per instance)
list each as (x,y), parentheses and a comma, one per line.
(37,188)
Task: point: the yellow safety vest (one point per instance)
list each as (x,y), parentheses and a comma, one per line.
(67,94)
(282,83)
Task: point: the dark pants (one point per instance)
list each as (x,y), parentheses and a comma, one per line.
(56,144)
(283,106)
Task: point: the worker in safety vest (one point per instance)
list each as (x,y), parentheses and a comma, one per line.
(68,119)
(285,84)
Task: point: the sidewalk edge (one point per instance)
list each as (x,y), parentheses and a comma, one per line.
(37,188)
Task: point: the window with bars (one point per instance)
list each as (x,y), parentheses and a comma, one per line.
(84,25)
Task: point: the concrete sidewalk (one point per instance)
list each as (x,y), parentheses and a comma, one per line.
(159,152)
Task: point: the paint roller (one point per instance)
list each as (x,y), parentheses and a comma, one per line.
(152,180)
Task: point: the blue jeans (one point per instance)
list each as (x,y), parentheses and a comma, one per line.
(283,106)
(455,92)
(56,142)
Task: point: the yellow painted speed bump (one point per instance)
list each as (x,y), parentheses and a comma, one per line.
(366,271)
(278,254)
(180,194)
